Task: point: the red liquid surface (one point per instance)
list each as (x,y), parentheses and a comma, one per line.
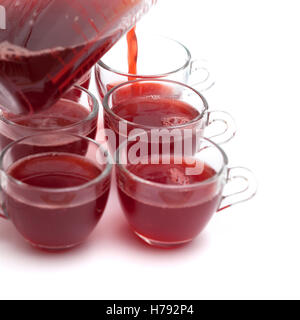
(60,116)
(47,46)
(156,113)
(163,215)
(138,107)
(59,222)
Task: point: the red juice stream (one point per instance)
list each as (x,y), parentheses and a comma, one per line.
(60,222)
(132,52)
(132,56)
(169,216)
(47,46)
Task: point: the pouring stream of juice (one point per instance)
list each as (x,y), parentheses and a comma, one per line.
(132,52)
(46,46)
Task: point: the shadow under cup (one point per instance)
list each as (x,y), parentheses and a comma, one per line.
(55,199)
(76,113)
(170,202)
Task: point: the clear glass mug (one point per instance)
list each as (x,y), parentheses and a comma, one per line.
(158,58)
(54,199)
(156,91)
(169,203)
(77,113)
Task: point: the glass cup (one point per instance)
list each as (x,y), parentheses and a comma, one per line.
(158,58)
(77,113)
(169,203)
(130,99)
(54,199)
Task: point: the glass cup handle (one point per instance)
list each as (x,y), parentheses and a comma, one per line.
(200,76)
(227,120)
(246,193)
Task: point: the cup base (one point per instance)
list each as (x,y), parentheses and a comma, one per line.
(53,249)
(162,245)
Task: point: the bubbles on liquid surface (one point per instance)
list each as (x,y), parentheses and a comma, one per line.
(176,176)
(174,121)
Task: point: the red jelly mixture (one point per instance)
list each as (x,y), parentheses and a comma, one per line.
(55,221)
(169,216)
(63,114)
(47,46)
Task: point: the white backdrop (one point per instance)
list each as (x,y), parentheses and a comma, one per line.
(249,251)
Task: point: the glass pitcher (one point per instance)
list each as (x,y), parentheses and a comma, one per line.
(46,46)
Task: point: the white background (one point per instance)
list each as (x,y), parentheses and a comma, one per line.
(249,251)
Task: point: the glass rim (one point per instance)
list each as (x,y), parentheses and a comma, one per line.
(123,168)
(102,176)
(106,107)
(92,115)
(103,65)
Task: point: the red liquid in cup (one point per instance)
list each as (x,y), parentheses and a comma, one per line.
(142,110)
(59,223)
(156,113)
(169,217)
(62,115)
(48,45)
